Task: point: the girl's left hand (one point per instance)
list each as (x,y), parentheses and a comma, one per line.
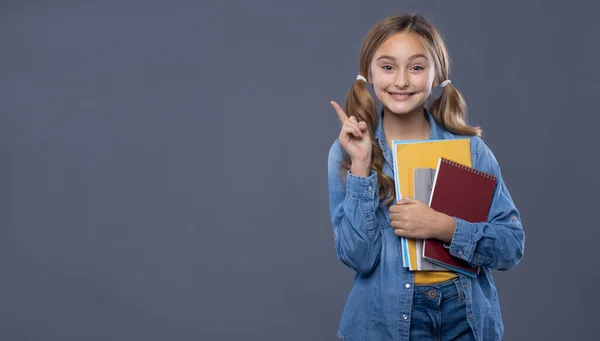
(412,218)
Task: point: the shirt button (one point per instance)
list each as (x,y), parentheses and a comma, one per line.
(407,285)
(470,316)
(460,252)
(404,316)
(370,188)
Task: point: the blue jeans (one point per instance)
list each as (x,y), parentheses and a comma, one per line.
(439,313)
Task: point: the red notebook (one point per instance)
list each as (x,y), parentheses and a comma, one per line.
(463,192)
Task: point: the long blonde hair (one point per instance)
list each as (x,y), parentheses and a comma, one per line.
(449,110)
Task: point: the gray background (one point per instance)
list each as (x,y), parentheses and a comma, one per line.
(163,163)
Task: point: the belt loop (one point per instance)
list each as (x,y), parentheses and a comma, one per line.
(460,289)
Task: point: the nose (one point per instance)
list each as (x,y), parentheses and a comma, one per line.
(402,79)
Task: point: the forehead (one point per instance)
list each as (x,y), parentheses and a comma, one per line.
(401,46)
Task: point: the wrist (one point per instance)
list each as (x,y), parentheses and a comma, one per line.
(445,228)
(361,168)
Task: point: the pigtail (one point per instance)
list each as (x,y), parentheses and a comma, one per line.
(360,104)
(450,110)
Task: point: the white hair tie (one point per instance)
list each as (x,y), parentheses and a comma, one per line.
(444,83)
(359,77)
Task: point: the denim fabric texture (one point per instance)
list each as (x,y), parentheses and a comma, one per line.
(435,303)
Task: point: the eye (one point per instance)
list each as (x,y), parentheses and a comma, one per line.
(387,67)
(418,68)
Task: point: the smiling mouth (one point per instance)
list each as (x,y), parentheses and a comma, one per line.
(401,96)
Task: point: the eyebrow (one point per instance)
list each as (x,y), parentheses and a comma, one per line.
(415,56)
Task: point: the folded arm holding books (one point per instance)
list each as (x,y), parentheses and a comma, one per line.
(499,242)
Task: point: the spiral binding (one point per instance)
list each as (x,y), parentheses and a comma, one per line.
(470,169)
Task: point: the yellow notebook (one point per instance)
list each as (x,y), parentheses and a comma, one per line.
(411,154)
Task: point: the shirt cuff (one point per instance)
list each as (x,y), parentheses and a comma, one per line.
(462,245)
(362,187)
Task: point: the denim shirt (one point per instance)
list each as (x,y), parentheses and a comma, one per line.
(380,302)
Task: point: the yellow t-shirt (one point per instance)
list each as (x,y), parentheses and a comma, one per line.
(432,277)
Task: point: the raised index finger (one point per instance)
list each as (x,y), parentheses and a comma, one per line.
(341,114)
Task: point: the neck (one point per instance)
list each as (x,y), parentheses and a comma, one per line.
(412,126)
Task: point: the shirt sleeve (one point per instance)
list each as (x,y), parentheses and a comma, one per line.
(353,201)
(498,243)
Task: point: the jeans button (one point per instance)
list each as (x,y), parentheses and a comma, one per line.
(432,293)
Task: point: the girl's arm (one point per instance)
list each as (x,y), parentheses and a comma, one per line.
(352,208)
(498,243)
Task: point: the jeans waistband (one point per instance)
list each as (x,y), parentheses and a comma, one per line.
(438,292)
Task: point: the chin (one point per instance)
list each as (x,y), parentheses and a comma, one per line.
(400,110)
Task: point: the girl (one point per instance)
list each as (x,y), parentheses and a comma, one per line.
(403,57)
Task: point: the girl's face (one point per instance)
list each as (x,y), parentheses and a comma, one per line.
(402,74)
